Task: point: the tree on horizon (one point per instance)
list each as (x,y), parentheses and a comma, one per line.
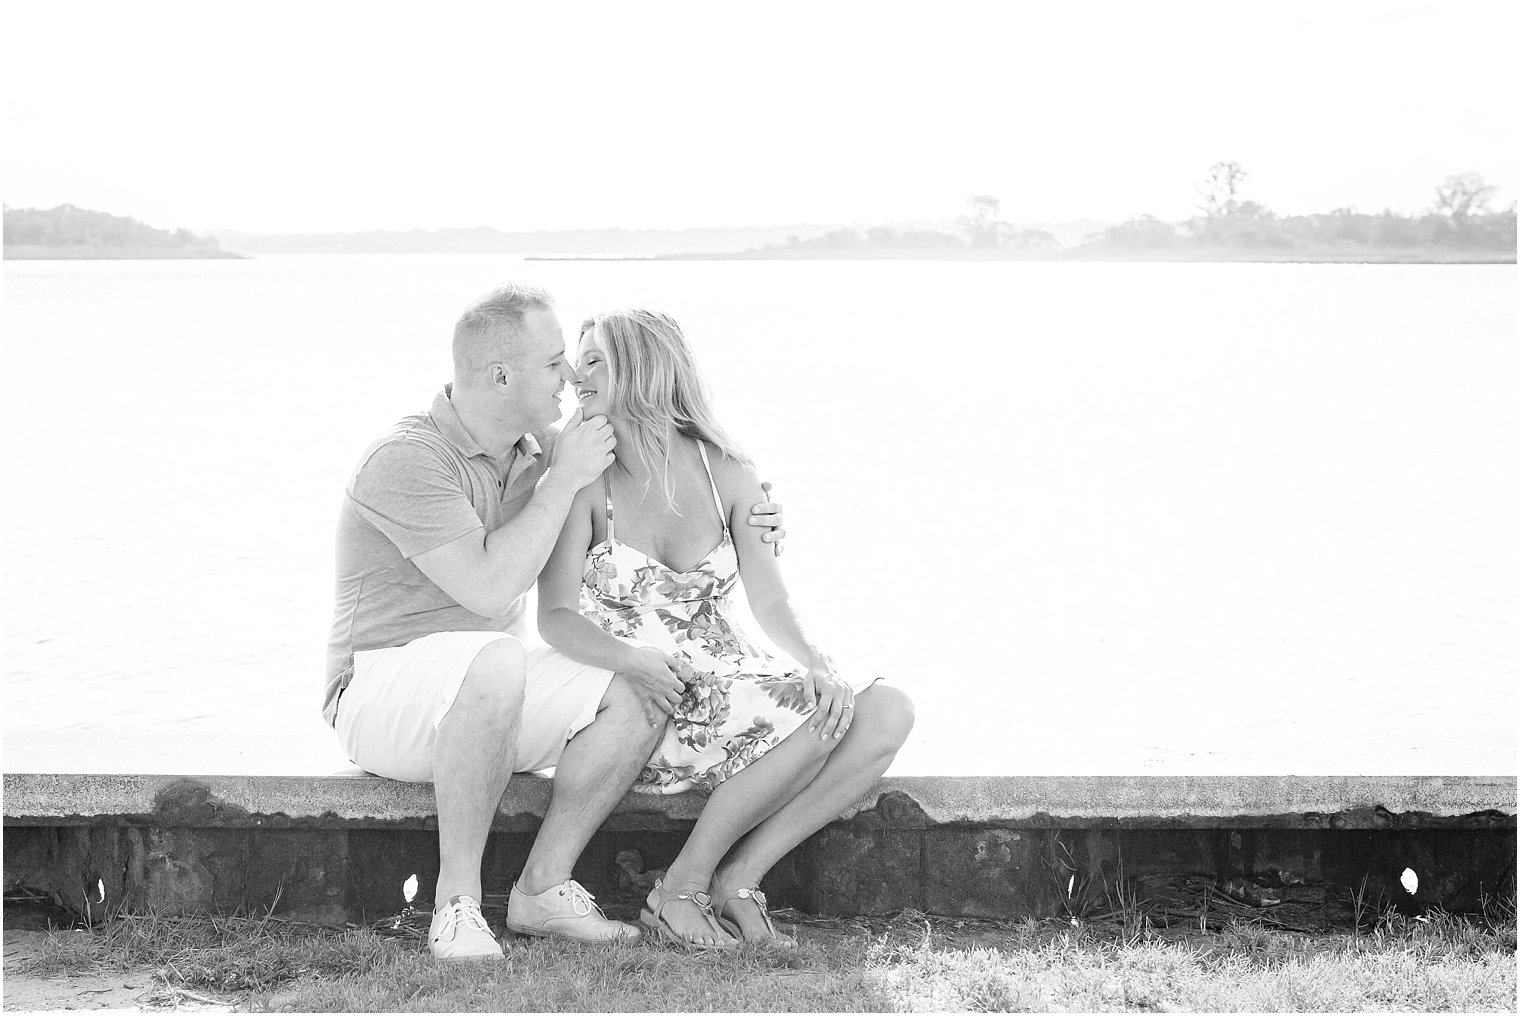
(981,225)
(1461,196)
(71,226)
(984,230)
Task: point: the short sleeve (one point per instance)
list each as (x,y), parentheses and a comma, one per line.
(413,496)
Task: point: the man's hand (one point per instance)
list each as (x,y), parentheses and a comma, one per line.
(583,449)
(768,513)
(655,678)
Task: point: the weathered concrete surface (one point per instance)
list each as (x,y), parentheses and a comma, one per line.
(329,876)
(357,800)
(341,847)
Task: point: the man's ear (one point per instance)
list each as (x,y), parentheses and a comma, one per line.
(501,373)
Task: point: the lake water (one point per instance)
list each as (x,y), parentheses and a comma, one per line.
(1121,518)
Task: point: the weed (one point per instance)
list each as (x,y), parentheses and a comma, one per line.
(1124,899)
(1498,914)
(990,992)
(1361,906)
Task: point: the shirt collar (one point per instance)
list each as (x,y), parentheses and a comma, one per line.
(446,418)
(526,453)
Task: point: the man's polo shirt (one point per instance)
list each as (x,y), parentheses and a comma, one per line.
(424,484)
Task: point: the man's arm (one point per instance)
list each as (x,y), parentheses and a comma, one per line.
(487,572)
(767,514)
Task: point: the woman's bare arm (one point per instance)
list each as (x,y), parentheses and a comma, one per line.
(653,675)
(769,601)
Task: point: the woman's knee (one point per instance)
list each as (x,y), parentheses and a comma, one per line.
(809,738)
(886,712)
(498,676)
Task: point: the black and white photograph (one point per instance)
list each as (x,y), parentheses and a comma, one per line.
(1091,432)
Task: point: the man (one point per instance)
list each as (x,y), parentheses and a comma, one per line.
(446,523)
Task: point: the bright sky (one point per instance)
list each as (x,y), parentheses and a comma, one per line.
(277,116)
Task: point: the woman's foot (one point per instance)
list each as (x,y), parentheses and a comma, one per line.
(744,913)
(682,915)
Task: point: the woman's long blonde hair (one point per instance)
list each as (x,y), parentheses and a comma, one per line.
(656,385)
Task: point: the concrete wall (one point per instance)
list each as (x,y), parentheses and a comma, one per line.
(333,849)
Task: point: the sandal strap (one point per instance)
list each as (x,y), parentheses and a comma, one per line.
(697,896)
(727,896)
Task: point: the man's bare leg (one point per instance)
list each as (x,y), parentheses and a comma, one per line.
(598,766)
(473,758)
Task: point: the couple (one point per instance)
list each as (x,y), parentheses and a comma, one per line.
(637,520)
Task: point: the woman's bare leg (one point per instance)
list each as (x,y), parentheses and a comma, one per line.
(883,718)
(735,807)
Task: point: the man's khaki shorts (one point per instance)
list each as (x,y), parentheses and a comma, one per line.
(389,714)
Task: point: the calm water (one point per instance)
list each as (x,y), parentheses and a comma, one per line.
(1096,518)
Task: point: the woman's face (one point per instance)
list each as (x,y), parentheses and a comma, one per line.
(593,378)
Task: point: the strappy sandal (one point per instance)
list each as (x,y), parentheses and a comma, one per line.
(660,928)
(723,897)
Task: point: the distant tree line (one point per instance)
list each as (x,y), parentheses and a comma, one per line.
(873,238)
(67,226)
(980,229)
(1459,218)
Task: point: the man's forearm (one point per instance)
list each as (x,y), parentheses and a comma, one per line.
(516,552)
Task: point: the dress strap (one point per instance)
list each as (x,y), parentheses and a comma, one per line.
(717,500)
(607,489)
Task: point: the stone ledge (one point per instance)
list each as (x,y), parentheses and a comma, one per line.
(342,848)
(356,800)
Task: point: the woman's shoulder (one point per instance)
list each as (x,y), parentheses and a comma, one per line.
(591,499)
(720,460)
(733,475)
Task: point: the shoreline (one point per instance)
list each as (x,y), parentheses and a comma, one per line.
(1370,257)
(82,252)
(1350,257)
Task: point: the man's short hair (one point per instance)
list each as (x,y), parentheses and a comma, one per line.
(490,330)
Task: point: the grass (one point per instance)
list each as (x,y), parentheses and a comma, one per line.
(913,963)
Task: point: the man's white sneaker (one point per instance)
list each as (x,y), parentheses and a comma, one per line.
(459,932)
(567,911)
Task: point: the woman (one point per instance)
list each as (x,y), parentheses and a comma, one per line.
(639,583)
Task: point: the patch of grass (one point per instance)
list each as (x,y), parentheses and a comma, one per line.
(221,953)
(545,976)
(1499,917)
(911,963)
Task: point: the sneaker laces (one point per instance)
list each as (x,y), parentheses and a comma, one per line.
(462,910)
(580,899)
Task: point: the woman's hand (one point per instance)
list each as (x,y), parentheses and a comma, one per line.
(836,702)
(656,678)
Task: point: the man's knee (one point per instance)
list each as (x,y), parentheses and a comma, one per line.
(621,705)
(497,678)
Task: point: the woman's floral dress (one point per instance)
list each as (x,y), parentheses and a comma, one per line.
(742,703)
